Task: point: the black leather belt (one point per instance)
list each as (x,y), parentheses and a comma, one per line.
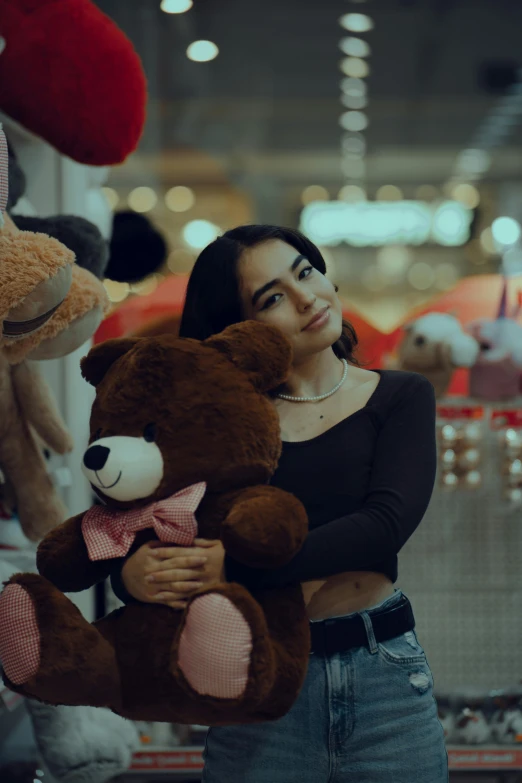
(345,633)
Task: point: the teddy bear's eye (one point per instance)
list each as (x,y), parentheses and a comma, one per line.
(149,433)
(97,434)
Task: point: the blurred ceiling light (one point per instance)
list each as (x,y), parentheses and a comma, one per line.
(421,276)
(451,223)
(379,223)
(506,231)
(353,120)
(466,194)
(202,51)
(111,196)
(488,243)
(176,6)
(389,193)
(352,194)
(426,193)
(354,143)
(116,292)
(354,101)
(353,86)
(354,47)
(314,193)
(180,261)
(356,23)
(179,199)
(200,233)
(147,286)
(446,276)
(353,167)
(142,199)
(355,67)
(394,260)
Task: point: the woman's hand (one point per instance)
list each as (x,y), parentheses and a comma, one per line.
(171,575)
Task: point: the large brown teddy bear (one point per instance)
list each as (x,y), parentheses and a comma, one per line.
(183,443)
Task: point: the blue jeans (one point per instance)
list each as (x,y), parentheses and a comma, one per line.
(366,715)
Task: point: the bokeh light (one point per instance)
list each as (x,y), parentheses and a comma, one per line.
(421,276)
(356,23)
(389,193)
(176,6)
(200,233)
(355,47)
(506,231)
(314,193)
(355,67)
(352,194)
(179,199)
(353,120)
(202,51)
(142,199)
(111,196)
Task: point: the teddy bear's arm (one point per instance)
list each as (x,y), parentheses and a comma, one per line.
(62,558)
(265,527)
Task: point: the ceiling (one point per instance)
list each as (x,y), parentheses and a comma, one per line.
(250,129)
(272,95)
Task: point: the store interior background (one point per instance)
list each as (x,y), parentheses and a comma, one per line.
(256,134)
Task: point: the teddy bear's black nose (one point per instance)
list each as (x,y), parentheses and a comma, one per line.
(95,457)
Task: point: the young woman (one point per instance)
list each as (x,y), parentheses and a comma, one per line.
(359,452)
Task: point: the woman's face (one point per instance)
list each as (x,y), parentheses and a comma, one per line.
(279,286)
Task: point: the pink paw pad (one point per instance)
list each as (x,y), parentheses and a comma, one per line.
(20,637)
(215,647)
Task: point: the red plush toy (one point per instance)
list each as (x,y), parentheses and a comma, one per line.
(65,59)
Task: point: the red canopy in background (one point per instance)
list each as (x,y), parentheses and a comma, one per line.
(473,297)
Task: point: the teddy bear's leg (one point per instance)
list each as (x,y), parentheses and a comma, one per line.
(288,631)
(49,651)
(223,649)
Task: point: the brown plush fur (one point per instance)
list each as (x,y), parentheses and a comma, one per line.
(31,262)
(25,400)
(73,323)
(214,424)
(433,360)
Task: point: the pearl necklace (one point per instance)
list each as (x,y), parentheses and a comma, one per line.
(320,396)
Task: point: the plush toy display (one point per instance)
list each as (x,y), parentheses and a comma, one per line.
(137,249)
(435,346)
(82,744)
(183,443)
(69,75)
(497,372)
(49,306)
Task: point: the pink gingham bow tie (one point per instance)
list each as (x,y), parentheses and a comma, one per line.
(110,533)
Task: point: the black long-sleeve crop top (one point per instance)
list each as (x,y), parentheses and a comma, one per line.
(365,483)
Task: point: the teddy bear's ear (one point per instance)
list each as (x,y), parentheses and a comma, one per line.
(261,351)
(94,366)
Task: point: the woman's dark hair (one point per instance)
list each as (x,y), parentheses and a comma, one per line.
(213,299)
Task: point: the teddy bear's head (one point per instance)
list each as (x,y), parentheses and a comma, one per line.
(172,412)
(436,340)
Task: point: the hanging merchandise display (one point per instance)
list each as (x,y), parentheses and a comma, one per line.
(460,430)
(88,102)
(137,249)
(497,373)
(507,423)
(172,462)
(82,744)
